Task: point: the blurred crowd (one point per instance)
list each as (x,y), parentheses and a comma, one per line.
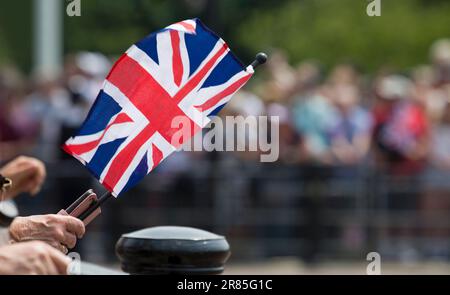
(397,124)
(393,125)
(38,114)
(400,120)
(337,119)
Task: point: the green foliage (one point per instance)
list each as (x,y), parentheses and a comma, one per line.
(333,31)
(330,31)
(111,26)
(15,33)
(4,55)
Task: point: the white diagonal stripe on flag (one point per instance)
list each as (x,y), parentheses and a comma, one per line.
(127,106)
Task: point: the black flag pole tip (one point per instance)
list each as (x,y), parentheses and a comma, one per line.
(260,59)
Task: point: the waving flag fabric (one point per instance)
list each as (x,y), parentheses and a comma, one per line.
(184,70)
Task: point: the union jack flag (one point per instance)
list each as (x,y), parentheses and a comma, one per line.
(183,70)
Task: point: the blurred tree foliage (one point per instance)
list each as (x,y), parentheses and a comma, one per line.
(330,31)
(15,33)
(333,31)
(111,26)
(4,55)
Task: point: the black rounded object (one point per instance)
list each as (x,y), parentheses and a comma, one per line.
(172,250)
(261,57)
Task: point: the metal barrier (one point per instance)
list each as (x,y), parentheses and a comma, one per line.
(264,210)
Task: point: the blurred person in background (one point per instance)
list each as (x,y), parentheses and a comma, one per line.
(245,104)
(433,88)
(16,129)
(236,165)
(48,106)
(436,200)
(440,57)
(350,145)
(281,78)
(401,139)
(425,92)
(432,82)
(351,133)
(308,77)
(289,141)
(286,88)
(83,77)
(292,143)
(401,127)
(314,117)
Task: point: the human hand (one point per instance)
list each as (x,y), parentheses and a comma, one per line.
(58,231)
(27,175)
(32,258)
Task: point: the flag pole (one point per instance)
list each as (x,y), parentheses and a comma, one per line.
(105,197)
(260,59)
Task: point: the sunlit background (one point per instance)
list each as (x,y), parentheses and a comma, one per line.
(364,108)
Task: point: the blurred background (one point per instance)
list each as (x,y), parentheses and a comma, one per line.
(364,108)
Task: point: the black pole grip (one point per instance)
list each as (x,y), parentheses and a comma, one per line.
(105,197)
